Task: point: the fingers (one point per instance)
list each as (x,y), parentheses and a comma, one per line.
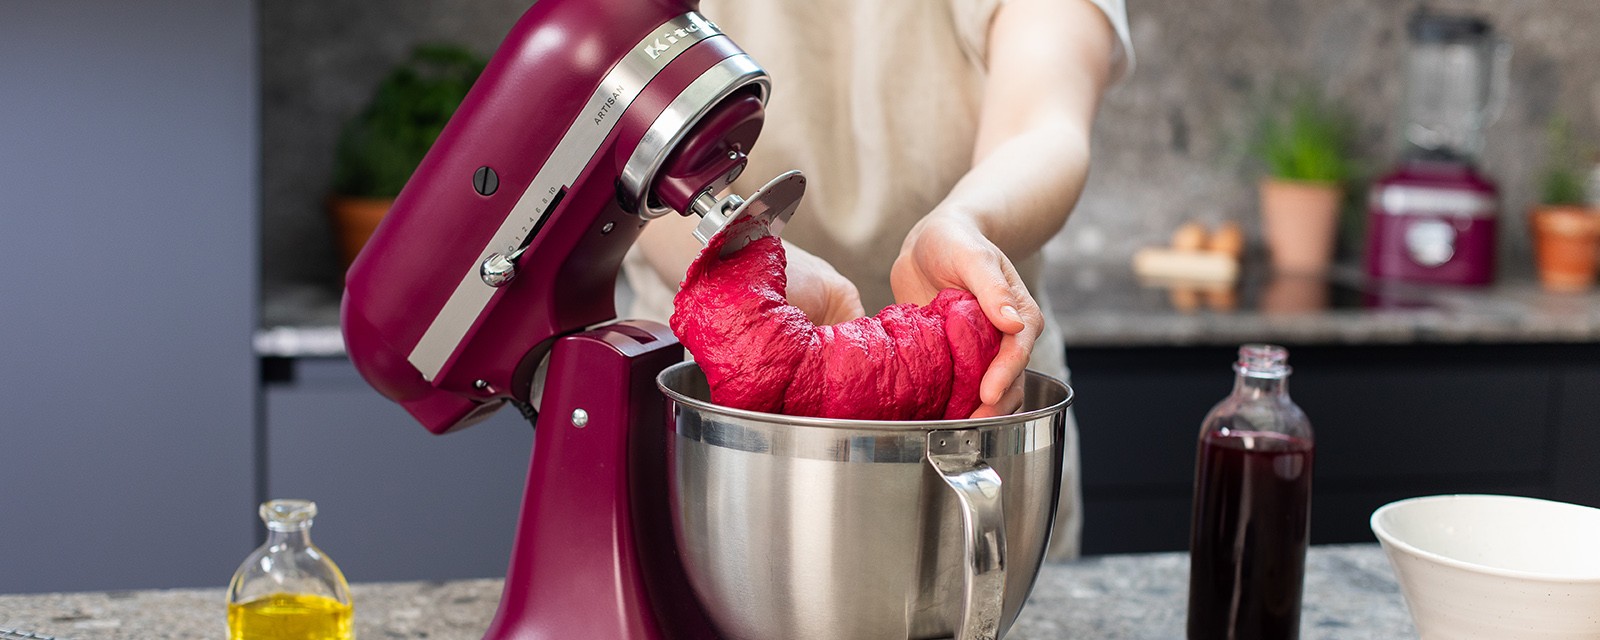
(989,282)
(846,302)
(1009,402)
(826,296)
(1005,301)
(1015,350)
(1006,368)
(953,253)
(1009,312)
(908,283)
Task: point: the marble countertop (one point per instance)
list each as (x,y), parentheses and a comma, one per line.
(1350,594)
(1107,306)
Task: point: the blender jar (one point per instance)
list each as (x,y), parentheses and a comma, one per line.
(1455,84)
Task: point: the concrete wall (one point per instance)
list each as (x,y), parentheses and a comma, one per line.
(1169,141)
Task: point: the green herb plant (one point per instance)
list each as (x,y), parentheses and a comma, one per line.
(1562,182)
(1307,139)
(382,145)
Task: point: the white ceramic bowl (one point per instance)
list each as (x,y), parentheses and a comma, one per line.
(1476,566)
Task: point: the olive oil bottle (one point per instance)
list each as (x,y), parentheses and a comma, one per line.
(288,589)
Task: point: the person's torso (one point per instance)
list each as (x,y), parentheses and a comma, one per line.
(877,103)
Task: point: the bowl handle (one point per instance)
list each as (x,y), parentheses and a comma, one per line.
(956,455)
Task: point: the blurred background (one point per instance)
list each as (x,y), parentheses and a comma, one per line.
(1171,143)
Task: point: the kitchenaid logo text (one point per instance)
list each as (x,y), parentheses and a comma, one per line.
(605,108)
(666,40)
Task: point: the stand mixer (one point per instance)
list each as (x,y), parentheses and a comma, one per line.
(502,252)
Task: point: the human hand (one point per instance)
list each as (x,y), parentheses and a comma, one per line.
(819,290)
(947,249)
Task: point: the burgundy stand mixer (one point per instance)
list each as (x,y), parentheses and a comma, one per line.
(502,253)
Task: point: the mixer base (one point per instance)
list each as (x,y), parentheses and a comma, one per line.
(594,556)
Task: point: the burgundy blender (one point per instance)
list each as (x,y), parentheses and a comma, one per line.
(1433,218)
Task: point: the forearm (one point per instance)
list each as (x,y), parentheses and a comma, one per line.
(1049,63)
(1021,194)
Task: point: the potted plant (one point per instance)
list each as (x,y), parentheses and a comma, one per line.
(382,145)
(1566,231)
(1305,148)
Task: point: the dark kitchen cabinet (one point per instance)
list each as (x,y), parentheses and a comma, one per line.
(396,502)
(128,244)
(1392,421)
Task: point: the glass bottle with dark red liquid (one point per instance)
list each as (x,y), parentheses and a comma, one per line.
(1252,507)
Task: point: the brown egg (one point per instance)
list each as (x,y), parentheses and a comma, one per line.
(1189,237)
(1228,239)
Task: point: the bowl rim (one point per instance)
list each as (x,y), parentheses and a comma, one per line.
(1007,420)
(1390,540)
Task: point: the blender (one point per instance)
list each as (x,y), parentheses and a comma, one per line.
(649,513)
(1433,218)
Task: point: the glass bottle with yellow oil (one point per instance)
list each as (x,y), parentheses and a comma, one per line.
(288,589)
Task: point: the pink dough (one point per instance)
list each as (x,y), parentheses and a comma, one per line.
(762,354)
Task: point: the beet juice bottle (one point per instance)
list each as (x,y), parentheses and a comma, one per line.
(1252,507)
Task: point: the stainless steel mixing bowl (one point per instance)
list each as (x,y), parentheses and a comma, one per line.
(809,528)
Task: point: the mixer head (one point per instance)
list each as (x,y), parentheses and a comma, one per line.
(592,118)
(707,160)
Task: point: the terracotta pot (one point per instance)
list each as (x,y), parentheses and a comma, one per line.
(1299,220)
(354,219)
(1565,242)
